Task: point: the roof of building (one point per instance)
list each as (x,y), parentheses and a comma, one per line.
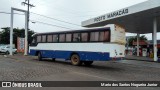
(135,19)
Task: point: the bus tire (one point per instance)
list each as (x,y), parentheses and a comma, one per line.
(53,59)
(7,53)
(39,56)
(75,60)
(88,63)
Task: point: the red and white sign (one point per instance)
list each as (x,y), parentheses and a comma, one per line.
(140,43)
(20,44)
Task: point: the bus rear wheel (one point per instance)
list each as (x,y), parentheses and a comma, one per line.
(39,56)
(88,63)
(75,60)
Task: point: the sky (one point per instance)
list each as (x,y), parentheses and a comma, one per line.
(60,11)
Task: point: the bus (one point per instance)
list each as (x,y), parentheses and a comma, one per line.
(81,46)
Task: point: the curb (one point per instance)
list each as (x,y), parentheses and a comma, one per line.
(144,60)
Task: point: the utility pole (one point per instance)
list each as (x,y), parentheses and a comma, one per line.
(27,2)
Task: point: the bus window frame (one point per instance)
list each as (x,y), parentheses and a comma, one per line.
(79,37)
(57,38)
(108,37)
(72,34)
(40,39)
(94,34)
(44,39)
(51,40)
(87,36)
(64,38)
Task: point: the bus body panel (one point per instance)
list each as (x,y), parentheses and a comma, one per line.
(117,34)
(110,46)
(86,51)
(84,56)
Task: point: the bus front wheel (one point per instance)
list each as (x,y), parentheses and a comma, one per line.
(7,53)
(88,63)
(53,59)
(75,60)
(39,56)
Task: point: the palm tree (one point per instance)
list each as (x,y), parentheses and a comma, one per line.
(130,40)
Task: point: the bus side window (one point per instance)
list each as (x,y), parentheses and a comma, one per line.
(39,38)
(101,36)
(94,36)
(49,38)
(84,37)
(68,37)
(106,36)
(34,40)
(62,38)
(43,38)
(55,38)
(76,37)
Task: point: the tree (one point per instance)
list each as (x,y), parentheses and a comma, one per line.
(130,40)
(5,35)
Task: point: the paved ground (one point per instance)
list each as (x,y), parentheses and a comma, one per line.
(133,57)
(22,68)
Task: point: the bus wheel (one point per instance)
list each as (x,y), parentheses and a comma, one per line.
(39,56)
(75,60)
(53,59)
(88,63)
(7,53)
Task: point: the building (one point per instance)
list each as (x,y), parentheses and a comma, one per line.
(141,18)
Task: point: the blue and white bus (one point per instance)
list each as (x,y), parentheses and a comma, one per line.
(81,46)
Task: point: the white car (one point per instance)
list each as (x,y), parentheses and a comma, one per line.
(6,49)
(1,47)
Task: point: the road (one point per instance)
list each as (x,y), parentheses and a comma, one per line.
(27,68)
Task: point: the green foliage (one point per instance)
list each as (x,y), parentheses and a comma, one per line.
(130,40)
(5,35)
(143,38)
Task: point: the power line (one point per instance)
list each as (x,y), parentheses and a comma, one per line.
(46,17)
(10,13)
(32,12)
(33,21)
(55,19)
